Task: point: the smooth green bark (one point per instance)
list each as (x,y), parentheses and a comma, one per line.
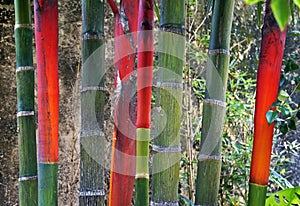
(257,195)
(141,195)
(142,151)
(48,174)
(166,145)
(22,12)
(28,193)
(142,167)
(92,139)
(214,107)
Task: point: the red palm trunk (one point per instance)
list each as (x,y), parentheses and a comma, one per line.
(268,78)
(144,91)
(123,154)
(145,63)
(46,35)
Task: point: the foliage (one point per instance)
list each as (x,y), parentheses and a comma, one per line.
(279,180)
(281,174)
(286,111)
(235,149)
(285,114)
(282,10)
(237,138)
(253,1)
(285,197)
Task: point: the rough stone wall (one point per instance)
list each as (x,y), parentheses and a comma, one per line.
(8,107)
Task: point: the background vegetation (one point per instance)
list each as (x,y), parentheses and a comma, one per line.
(238,131)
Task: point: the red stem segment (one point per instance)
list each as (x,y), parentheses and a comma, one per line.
(123,152)
(46,35)
(145,63)
(268,78)
(113,6)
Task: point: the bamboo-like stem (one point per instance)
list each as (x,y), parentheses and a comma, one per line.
(257,194)
(166,146)
(142,167)
(113,6)
(92,140)
(46,35)
(122,174)
(144,91)
(214,107)
(28,192)
(268,78)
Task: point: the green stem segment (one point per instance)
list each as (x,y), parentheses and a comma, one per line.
(214,108)
(28,193)
(166,145)
(142,168)
(257,194)
(142,151)
(49,174)
(92,139)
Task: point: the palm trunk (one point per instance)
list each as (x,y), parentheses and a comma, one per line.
(214,107)
(92,140)
(268,77)
(166,146)
(123,151)
(46,35)
(144,91)
(28,192)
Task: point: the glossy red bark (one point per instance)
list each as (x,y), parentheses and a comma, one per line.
(268,78)
(122,175)
(145,63)
(46,35)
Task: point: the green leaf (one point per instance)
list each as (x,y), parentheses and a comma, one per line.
(282,81)
(283,128)
(290,66)
(280,180)
(297,2)
(253,1)
(283,96)
(281,11)
(271,116)
(298,114)
(287,197)
(185,199)
(292,123)
(285,111)
(297,89)
(259,9)
(275,104)
(297,79)
(292,11)
(156,9)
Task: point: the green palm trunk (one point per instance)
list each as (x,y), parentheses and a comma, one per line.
(166,146)
(92,105)
(214,107)
(28,192)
